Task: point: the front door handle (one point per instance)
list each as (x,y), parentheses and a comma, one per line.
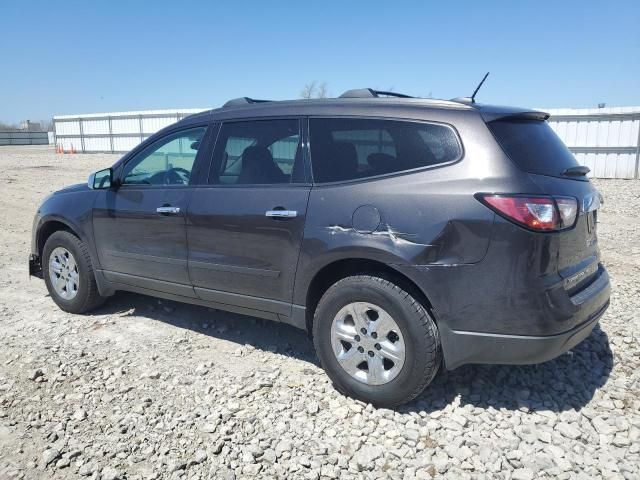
(167,210)
(281,213)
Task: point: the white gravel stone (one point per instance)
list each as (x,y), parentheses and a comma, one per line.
(109,473)
(601,426)
(86,469)
(80,414)
(175,464)
(283,446)
(209,427)
(33,374)
(366,456)
(522,474)
(49,456)
(568,430)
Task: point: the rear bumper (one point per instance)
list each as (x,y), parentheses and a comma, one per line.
(506,317)
(474,347)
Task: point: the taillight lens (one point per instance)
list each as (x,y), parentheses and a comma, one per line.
(540,213)
(568,208)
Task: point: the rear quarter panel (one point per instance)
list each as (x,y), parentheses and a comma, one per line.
(424,217)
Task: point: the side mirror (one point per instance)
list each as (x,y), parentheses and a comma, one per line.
(101,179)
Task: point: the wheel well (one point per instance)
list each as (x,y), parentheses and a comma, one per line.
(47,230)
(340,269)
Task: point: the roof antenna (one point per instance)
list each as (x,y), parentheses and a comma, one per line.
(473,97)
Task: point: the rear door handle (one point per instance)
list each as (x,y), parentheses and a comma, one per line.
(281,213)
(166,210)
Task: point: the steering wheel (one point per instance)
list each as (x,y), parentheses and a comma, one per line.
(177,175)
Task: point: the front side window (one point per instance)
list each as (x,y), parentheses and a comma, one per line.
(348,149)
(169,161)
(257,153)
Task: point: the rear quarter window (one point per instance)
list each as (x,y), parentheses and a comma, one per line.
(533,146)
(348,149)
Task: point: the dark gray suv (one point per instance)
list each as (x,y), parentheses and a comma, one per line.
(399,232)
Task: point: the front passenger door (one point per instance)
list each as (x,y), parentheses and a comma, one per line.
(139,227)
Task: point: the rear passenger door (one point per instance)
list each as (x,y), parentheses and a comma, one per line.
(244,228)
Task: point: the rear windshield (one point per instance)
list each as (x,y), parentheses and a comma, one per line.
(533,146)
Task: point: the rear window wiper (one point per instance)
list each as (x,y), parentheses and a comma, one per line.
(577,171)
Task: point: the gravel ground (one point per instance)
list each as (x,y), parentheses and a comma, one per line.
(155,389)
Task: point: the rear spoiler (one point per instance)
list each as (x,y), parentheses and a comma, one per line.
(491,113)
(515,115)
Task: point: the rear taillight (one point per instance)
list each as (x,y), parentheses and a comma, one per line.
(568,208)
(536,212)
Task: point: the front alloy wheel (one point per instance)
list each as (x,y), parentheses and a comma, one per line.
(68,273)
(63,273)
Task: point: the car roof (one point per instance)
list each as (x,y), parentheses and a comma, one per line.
(375,106)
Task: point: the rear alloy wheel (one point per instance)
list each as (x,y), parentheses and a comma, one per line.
(376,342)
(68,273)
(368,343)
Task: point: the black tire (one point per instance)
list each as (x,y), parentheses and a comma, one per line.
(87,297)
(421,337)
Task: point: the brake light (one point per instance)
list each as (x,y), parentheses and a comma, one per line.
(536,212)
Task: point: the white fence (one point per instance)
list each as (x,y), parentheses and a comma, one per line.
(607,140)
(112,132)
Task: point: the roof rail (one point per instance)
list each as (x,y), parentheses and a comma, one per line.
(243,101)
(371,93)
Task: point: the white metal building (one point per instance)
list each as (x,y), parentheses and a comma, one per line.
(607,140)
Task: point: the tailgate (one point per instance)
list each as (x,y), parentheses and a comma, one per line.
(535,148)
(577,248)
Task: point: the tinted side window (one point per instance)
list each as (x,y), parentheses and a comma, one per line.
(348,149)
(168,161)
(258,152)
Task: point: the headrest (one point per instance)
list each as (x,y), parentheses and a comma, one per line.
(345,151)
(256,155)
(382,162)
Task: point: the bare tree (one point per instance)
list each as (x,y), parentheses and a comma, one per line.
(314,89)
(323,92)
(47,125)
(8,127)
(308,90)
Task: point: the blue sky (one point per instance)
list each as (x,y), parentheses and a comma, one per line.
(64,57)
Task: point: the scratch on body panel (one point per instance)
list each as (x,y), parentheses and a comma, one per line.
(395,236)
